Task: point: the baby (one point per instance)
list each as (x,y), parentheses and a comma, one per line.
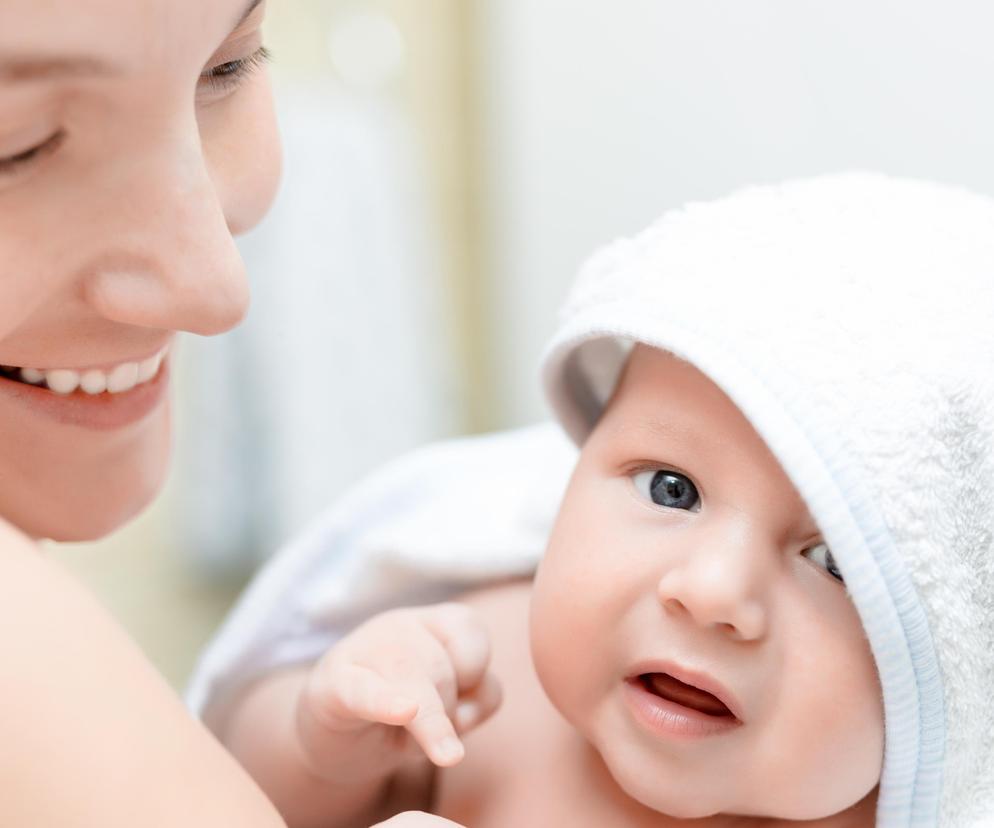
(765,600)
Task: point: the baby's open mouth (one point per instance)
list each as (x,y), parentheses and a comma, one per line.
(674,690)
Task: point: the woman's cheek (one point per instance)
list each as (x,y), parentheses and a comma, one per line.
(243,152)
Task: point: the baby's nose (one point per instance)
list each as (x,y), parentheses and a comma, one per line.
(714,592)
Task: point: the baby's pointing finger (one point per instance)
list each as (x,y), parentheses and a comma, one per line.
(432,729)
(465,639)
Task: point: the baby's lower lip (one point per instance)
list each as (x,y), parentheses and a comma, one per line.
(100,412)
(668,719)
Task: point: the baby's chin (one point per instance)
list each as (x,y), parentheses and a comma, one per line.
(680,797)
(649,782)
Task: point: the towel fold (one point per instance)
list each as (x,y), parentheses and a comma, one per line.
(422,529)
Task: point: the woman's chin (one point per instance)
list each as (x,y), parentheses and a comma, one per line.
(94,525)
(84,519)
(90,496)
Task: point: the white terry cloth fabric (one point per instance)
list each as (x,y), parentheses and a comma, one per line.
(421,529)
(851,319)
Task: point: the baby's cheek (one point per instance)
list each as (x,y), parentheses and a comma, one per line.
(829,722)
(562,643)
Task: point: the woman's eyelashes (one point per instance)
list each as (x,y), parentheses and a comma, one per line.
(13,164)
(668,488)
(227,76)
(822,555)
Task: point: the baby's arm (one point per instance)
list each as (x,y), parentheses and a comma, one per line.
(327,743)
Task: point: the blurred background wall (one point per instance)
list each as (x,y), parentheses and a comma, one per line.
(449,163)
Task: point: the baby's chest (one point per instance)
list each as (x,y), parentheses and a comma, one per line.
(509,778)
(506,763)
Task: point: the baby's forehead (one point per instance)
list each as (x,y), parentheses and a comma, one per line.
(665,409)
(660,387)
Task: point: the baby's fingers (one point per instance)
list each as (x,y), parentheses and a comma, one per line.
(466,641)
(474,708)
(351,693)
(433,730)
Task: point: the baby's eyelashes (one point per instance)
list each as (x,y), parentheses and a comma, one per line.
(822,555)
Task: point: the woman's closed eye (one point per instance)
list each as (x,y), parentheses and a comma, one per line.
(822,556)
(668,488)
(219,79)
(15,162)
(226,76)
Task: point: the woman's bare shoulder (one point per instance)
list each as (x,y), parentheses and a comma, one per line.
(91,734)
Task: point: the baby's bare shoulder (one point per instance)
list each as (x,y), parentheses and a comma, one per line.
(503,608)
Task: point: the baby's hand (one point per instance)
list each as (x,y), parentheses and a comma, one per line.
(406,677)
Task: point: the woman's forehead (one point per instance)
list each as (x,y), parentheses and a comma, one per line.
(45,39)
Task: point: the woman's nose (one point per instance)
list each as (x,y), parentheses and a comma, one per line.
(169,260)
(719,589)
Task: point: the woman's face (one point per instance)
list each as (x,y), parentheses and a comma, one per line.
(135,140)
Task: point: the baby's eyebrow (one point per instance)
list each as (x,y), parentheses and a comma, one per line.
(660,433)
(662,428)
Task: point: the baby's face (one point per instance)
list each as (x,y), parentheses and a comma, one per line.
(681,547)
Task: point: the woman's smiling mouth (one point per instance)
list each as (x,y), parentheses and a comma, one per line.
(99,399)
(117,379)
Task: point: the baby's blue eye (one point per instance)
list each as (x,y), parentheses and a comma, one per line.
(822,556)
(668,488)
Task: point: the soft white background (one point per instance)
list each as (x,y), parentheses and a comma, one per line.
(601,114)
(450,163)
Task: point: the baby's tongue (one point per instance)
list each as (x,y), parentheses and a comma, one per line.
(670,688)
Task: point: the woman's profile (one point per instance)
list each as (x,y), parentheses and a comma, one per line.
(136,139)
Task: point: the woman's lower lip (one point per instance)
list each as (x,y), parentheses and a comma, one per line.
(98,412)
(668,719)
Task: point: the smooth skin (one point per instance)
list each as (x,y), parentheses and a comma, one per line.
(136,139)
(737,584)
(345,742)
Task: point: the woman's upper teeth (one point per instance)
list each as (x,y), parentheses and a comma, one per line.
(115,380)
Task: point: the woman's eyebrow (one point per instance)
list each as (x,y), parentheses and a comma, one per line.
(41,68)
(251,7)
(15,69)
